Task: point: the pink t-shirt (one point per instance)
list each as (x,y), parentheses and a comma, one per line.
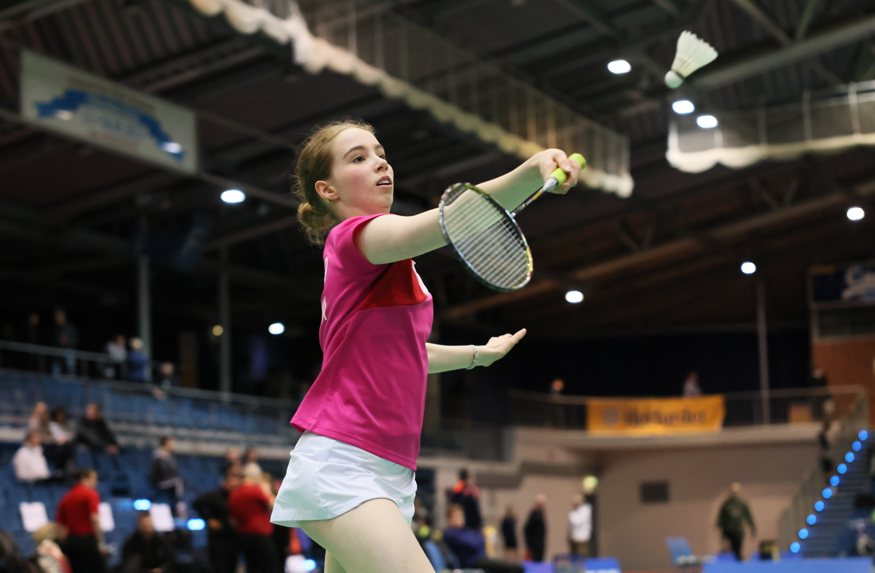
(376,319)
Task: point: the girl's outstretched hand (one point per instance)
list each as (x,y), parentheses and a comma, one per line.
(547,162)
(498,346)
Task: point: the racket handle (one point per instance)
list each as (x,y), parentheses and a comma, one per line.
(557,178)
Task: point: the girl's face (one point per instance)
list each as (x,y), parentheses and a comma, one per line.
(361,181)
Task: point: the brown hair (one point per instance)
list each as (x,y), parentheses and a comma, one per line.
(314,164)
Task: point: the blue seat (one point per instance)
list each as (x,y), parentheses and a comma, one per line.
(681,553)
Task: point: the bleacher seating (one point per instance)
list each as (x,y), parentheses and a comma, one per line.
(138,418)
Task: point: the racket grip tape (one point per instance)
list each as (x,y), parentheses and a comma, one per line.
(560,176)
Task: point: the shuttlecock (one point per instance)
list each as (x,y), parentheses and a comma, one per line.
(692,54)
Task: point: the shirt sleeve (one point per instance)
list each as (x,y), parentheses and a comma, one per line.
(342,245)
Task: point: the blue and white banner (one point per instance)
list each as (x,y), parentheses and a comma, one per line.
(67,100)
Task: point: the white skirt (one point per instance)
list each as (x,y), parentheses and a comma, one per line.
(327,478)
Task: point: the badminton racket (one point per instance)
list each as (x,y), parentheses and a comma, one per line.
(485,235)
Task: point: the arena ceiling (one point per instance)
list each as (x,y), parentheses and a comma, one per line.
(664,259)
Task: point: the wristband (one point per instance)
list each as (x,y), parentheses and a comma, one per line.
(474,356)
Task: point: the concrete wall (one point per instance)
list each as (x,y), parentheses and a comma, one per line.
(697,478)
(770,462)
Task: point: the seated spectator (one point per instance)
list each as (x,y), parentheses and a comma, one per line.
(138,362)
(146,551)
(466,544)
(59,453)
(165,478)
(250,506)
(117,352)
(94,432)
(60,426)
(29,463)
(49,557)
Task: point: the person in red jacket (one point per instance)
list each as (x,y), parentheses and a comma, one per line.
(77,513)
(250,506)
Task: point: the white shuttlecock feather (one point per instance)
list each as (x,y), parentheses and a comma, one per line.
(692,54)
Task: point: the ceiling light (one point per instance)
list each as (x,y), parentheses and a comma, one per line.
(707,121)
(683,107)
(233,196)
(856,213)
(748,267)
(276,328)
(171,147)
(619,67)
(218,330)
(574,296)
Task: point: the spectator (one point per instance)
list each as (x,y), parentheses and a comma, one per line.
(556,413)
(67,339)
(49,557)
(466,495)
(77,514)
(94,432)
(221,538)
(509,536)
(535,529)
(167,376)
(465,543)
(734,514)
(29,463)
(145,551)
(823,443)
(39,420)
(60,426)
(250,507)
(138,362)
(117,352)
(34,334)
(691,385)
(250,457)
(165,478)
(58,453)
(232,461)
(579,526)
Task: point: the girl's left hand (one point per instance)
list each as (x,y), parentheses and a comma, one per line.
(547,162)
(498,347)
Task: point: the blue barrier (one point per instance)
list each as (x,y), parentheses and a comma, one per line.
(847,565)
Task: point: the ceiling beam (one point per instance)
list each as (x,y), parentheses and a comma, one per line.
(768,24)
(835,36)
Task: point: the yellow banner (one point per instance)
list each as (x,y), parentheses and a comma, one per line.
(654,416)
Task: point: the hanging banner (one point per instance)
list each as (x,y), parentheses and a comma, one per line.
(67,100)
(655,416)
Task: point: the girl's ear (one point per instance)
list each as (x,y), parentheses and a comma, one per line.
(326,191)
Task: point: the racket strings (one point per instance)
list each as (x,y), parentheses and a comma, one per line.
(488,242)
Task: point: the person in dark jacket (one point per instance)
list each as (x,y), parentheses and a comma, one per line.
(508,535)
(146,551)
(164,476)
(93,431)
(535,529)
(212,506)
(466,494)
(734,514)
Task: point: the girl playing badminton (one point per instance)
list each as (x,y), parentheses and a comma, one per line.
(350,481)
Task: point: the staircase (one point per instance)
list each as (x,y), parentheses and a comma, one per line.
(826,531)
